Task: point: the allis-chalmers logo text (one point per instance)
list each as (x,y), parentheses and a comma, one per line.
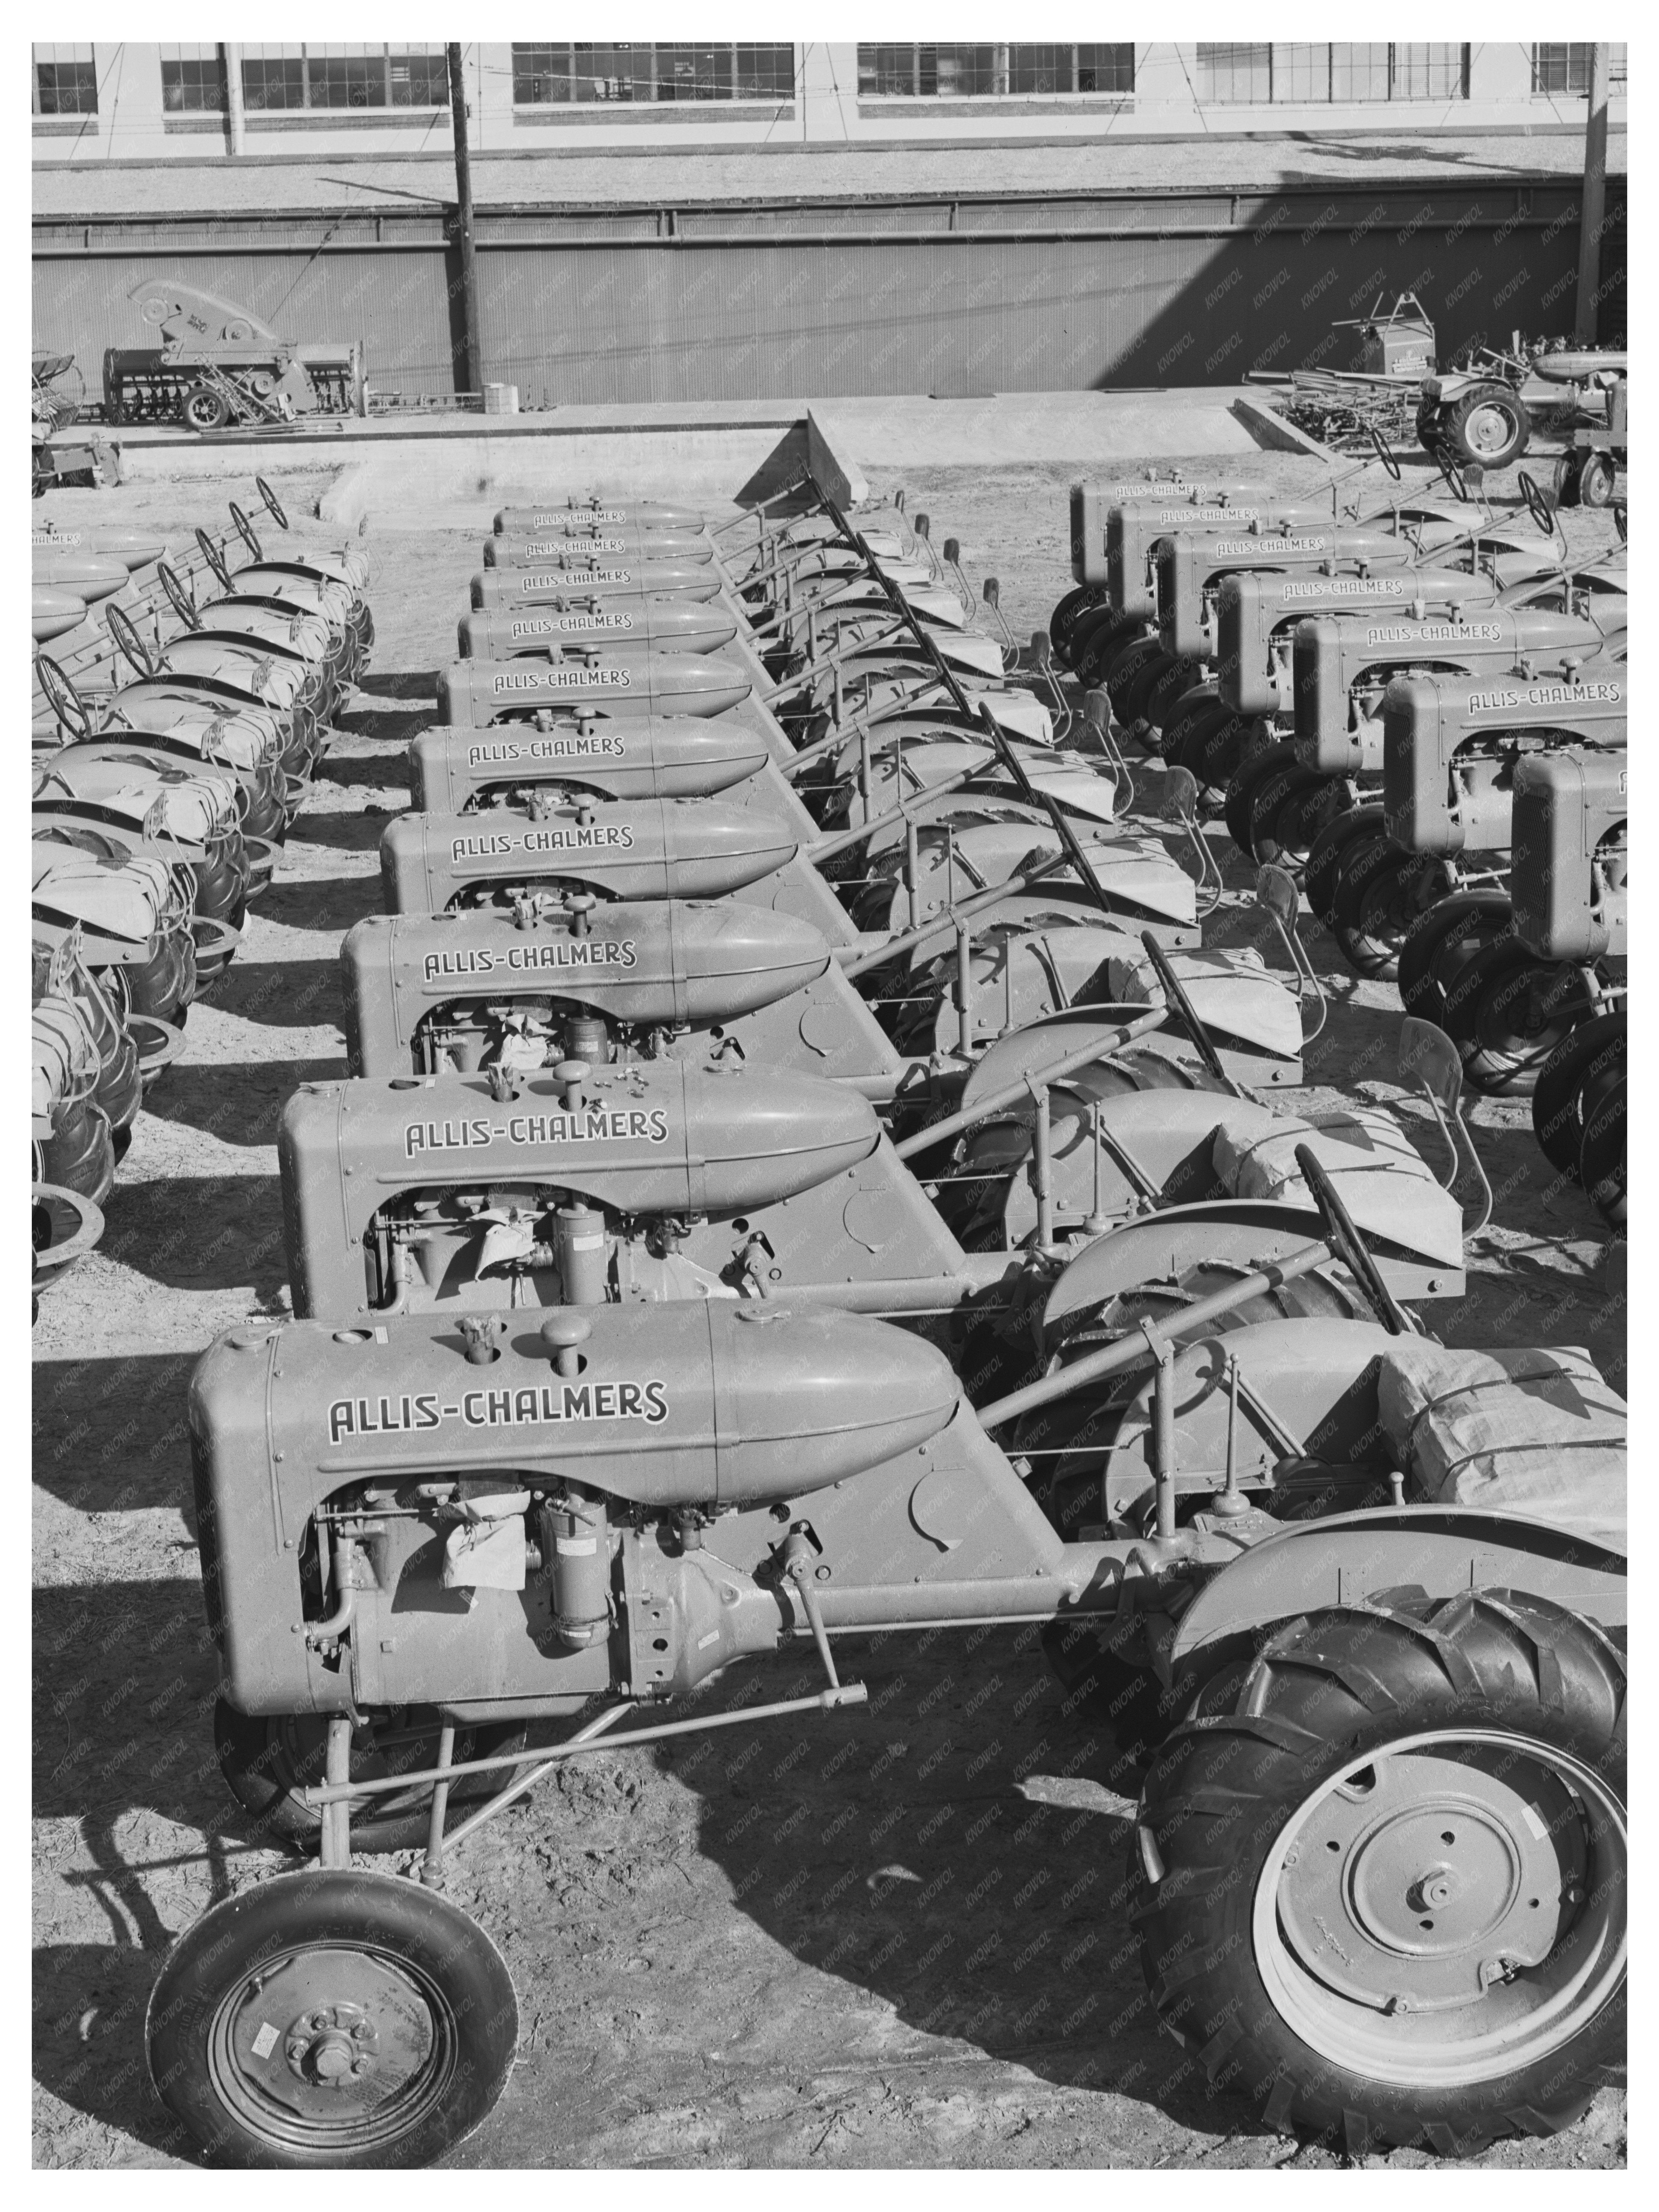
(586,1125)
(527,1406)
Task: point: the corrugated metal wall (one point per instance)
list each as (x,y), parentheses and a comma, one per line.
(677,304)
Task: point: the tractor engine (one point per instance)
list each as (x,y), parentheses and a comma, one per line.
(594,755)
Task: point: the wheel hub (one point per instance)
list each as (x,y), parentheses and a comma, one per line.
(357,2033)
(1416,1887)
(1487,429)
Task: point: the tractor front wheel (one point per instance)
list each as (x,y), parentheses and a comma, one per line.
(332,2019)
(266,1760)
(1440,944)
(1508,1011)
(1380,892)
(1595,480)
(1381,1886)
(1560,1099)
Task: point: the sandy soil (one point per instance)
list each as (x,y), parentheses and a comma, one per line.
(898,1939)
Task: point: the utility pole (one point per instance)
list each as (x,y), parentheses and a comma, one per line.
(1594,205)
(473,368)
(230,60)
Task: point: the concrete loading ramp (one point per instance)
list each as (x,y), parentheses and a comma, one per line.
(392,470)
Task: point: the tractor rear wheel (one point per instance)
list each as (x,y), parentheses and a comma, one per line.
(1127,663)
(1097,639)
(1214,747)
(267,1759)
(1508,1011)
(1441,943)
(1253,771)
(1487,427)
(1285,821)
(1165,692)
(1383,1894)
(1602,1156)
(332,2019)
(1559,1101)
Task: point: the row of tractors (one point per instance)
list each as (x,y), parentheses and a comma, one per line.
(802,1172)
(166,773)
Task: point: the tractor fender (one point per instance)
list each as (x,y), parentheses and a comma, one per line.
(1440,1549)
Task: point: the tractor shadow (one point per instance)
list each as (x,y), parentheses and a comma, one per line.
(239,1102)
(339,830)
(361,772)
(124,1679)
(202,1233)
(945,1851)
(325,903)
(278,994)
(392,707)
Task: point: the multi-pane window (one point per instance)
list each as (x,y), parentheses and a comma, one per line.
(345,76)
(65,80)
(1263,75)
(544,77)
(1567,68)
(191,80)
(992,72)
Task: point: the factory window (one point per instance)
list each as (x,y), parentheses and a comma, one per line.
(65,80)
(992,72)
(345,76)
(1567,68)
(546,77)
(1260,76)
(191,80)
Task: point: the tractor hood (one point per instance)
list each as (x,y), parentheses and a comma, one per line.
(1251,610)
(615,756)
(126,789)
(643,848)
(668,964)
(594,513)
(474,694)
(1571,899)
(118,902)
(134,548)
(274,678)
(594,544)
(90,576)
(1429,721)
(676,1404)
(650,1138)
(613,578)
(52,612)
(663,622)
(209,719)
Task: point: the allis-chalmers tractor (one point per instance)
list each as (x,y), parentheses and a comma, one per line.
(628,1345)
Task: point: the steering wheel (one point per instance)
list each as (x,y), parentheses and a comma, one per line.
(64,701)
(215,560)
(1537,503)
(1383,450)
(1349,1245)
(1453,475)
(273,505)
(245,531)
(136,655)
(183,606)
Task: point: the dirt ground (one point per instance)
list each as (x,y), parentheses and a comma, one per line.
(897,1938)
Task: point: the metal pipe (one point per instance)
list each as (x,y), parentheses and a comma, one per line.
(432,1866)
(964,990)
(334,1842)
(1043,1164)
(1050,1071)
(1594,203)
(230,61)
(1130,1351)
(912,1294)
(1164,1455)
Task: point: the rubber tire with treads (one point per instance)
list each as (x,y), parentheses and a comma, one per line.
(1326,1689)
(1098,639)
(323,1911)
(1189,713)
(1380,892)
(1214,748)
(1596,480)
(1068,613)
(1482,916)
(1487,400)
(1557,1096)
(1275,761)
(1122,668)
(1283,827)
(1503,1055)
(1165,694)
(1602,1159)
(1325,854)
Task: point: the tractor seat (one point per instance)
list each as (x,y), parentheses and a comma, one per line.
(1536,1432)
